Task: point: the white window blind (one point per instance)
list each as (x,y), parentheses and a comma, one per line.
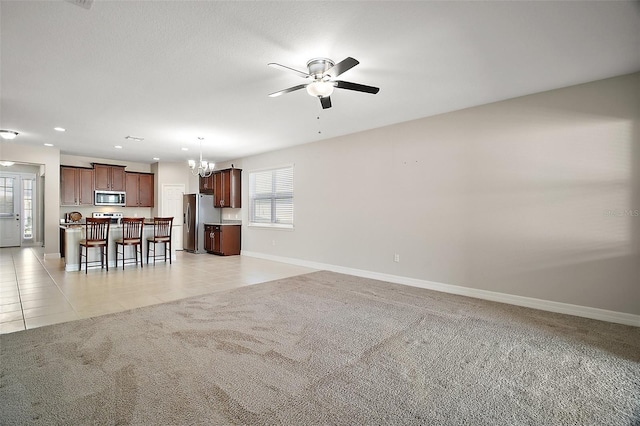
(271,197)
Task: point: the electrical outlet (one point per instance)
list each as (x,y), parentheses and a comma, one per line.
(396,257)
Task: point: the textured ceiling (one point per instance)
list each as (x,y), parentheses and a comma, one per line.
(173,71)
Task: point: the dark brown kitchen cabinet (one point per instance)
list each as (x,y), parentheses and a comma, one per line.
(147,190)
(227,188)
(140,189)
(223,240)
(76,186)
(207,184)
(209,238)
(109,177)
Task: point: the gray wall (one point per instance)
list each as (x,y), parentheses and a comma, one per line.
(536,196)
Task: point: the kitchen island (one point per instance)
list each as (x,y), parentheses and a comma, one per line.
(73,233)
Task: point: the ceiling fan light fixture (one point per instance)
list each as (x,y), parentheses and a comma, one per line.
(8,134)
(320,89)
(321,77)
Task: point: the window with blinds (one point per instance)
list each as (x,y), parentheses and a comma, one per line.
(271,197)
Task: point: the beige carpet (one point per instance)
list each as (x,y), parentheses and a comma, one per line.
(324,348)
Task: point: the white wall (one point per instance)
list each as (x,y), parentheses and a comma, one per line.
(536,196)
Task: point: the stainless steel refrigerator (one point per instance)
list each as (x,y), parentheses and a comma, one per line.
(197,209)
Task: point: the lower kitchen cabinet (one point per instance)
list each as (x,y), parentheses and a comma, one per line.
(223,240)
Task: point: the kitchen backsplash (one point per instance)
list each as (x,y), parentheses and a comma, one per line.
(231,215)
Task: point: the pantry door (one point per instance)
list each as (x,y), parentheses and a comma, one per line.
(172,207)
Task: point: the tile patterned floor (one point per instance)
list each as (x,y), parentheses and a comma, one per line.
(35,292)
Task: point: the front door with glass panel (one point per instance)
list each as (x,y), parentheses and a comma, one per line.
(10,203)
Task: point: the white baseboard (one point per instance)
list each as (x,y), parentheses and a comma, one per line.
(52,255)
(529,302)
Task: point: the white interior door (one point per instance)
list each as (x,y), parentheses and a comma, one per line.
(172,206)
(10,206)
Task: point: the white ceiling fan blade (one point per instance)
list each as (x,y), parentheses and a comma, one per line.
(290,89)
(300,73)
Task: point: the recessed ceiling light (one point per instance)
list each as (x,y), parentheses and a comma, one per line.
(60,129)
(118,147)
(48,144)
(185,149)
(8,134)
(156,158)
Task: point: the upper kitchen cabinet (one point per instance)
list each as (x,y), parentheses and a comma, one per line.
(109,177)
(76,186)
(140,189)
(227,188)
(207,184)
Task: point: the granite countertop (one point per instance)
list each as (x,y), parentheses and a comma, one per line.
(77,225)
(223,223)
(147,222)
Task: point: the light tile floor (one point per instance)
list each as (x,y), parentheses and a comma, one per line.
(35,292)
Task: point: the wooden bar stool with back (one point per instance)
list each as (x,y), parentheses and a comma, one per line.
(161,235)
(96,236)
(132,228)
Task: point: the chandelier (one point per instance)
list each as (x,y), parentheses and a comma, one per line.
(204,169)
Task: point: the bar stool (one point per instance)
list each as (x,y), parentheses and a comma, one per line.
(161,234)
(96,236)
(131,236)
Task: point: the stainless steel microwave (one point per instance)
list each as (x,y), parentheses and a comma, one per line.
(110,198)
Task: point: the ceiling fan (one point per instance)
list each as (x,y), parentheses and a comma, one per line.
(321,76)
